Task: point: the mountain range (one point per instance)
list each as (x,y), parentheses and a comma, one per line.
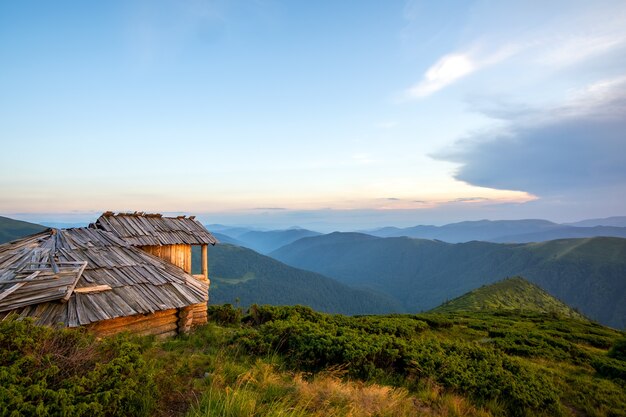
(499,231)
(507,231)
(401,274)
(262,241)
(589,274)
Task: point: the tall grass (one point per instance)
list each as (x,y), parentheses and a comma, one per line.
(265,391)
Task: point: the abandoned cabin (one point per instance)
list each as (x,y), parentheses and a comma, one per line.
(125,272)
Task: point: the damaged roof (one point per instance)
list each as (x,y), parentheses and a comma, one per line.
(141,229)
(84,275)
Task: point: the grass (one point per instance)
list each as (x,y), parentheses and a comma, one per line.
(248,276)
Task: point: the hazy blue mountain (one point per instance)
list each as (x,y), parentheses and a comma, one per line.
(11,229)
(484,230)
(616,221)
(503,231)
(268,241)
(232,231)
(589,274)
(222,238)
(565,232)
(241,275)
(64,225)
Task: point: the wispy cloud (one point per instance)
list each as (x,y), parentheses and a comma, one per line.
(444,72)
(452,67)
(564,39)
(270,208)
(562,51)
(469,199)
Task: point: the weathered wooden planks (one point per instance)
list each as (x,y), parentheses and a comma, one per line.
(105,281)
(140,229)
(100,276)
(92,289)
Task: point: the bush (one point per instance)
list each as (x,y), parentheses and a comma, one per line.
(618,350)
(379,348)
(610,368)
(48,372)
(224,314)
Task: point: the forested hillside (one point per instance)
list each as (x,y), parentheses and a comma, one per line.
(589,274)
(242,276)
(11,229)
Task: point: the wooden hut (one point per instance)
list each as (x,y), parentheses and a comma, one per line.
(169,238)
(95,278)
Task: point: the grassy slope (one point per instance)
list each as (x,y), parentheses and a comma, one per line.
(14,229)
(292,361)
(240,275)
(584,273)
(509,294)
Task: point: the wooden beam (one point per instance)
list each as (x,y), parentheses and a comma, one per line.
(205,261)
(70,290)
(53,264)
(94,288)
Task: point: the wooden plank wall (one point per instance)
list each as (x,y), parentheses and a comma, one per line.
(179,255)
(161,323)
(199,314)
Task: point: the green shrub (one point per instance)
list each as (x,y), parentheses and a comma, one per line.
(610,368)
(618,350)
(224,314)
(375,348)
(48,372)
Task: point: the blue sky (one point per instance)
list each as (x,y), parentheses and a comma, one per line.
(332,115)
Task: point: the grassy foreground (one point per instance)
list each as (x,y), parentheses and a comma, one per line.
(293,361)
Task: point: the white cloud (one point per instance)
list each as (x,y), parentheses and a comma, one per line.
(444,72)
(452,67)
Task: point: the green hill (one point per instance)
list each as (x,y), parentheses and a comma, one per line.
(240,275)
(587,274)
(513,294)
(14,229)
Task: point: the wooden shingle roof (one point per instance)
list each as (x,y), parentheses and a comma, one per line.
(110,278)
(141,229)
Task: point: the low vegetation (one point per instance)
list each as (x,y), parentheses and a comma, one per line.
(293,361)
(513,294)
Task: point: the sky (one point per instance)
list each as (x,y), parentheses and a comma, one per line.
(333,115)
